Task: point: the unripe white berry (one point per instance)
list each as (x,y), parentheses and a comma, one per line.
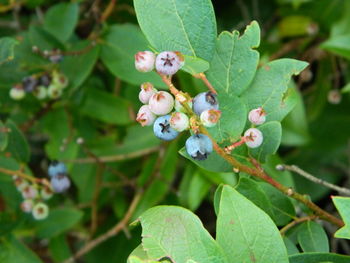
(144,61)
(46,193)
(145,116)
(27,205)
(180,108)
(147,90)
(257,116)
(179,121)
(40,92)
(169,62)
(40,211)
(54,92)
(17,92)
(161,103)
(253,137)
(210,118)
(59,80)
(29,192)
(334,96)
(20,183)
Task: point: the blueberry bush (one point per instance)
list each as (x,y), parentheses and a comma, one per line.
(183,131)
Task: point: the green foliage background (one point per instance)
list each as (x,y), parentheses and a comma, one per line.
(250,65)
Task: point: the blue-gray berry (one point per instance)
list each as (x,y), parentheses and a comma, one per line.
(199,146)
(205,101)
(57,168)
(162,129)
(60,183)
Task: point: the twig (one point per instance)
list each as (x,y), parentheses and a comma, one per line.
(19,173)
(114,158)
(296,169)
(256,171)
(203,77)
(108,11)
(296,222)
(110,233)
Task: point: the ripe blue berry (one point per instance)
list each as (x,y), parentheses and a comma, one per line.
(162,129)
(60,183)
(57,168)
(205,101)
(199,146)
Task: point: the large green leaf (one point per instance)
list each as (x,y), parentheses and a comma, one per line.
(246,233)
(7,46)
(61,19)
(343,206)
(187,26)
(235,62)
(319,258)
(312,237)
(270,85)
(232,121)
(58,221)
(272,133)
(175,232)
(13,251)
(120,45)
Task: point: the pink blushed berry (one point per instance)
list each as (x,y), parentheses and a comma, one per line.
(169,62)
(179,121)
(210,118)
(144,61)
(253,138)
(147,90)
(27,205)
(161,103)
(257,116)
(29,192)
(145,116)
(40,211)
(20,183)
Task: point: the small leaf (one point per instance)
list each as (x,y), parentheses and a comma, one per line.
(58,221)
(291,248)
(312,237)
(17,143)
(234,63)
(246,233)
(194,65)
(3,136)
(7,46)
(61,19)
(319,258)
(174,232)
(169,25)
(272,133)
(343,206)
(59,248)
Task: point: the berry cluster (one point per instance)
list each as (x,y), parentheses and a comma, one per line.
(59,179)
(33,196)
(42,86)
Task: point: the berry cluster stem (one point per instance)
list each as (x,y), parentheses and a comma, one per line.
(257,170)
(203,77)
(24,176)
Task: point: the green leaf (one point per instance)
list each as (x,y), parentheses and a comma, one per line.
(58,221)
(17,143)
(246,233)
(120,45)
(14,251)
(7,46)
(272,133)
(175,232)
(198,189)
(270,85)
(312,237)
(186,26)
(138,252)
(3,136)
(282,207)
(232,121)
(234,63)
(291,248)
(319,258)
(59,248)
(105,107)
(85,62)
(346,88)
(43,40)
(61,19)
(194,65)
(343,206)
(338,45)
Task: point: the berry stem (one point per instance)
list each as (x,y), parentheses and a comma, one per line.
(296,222)
(257,170)
(229,148)
(30,178)
(203,77)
